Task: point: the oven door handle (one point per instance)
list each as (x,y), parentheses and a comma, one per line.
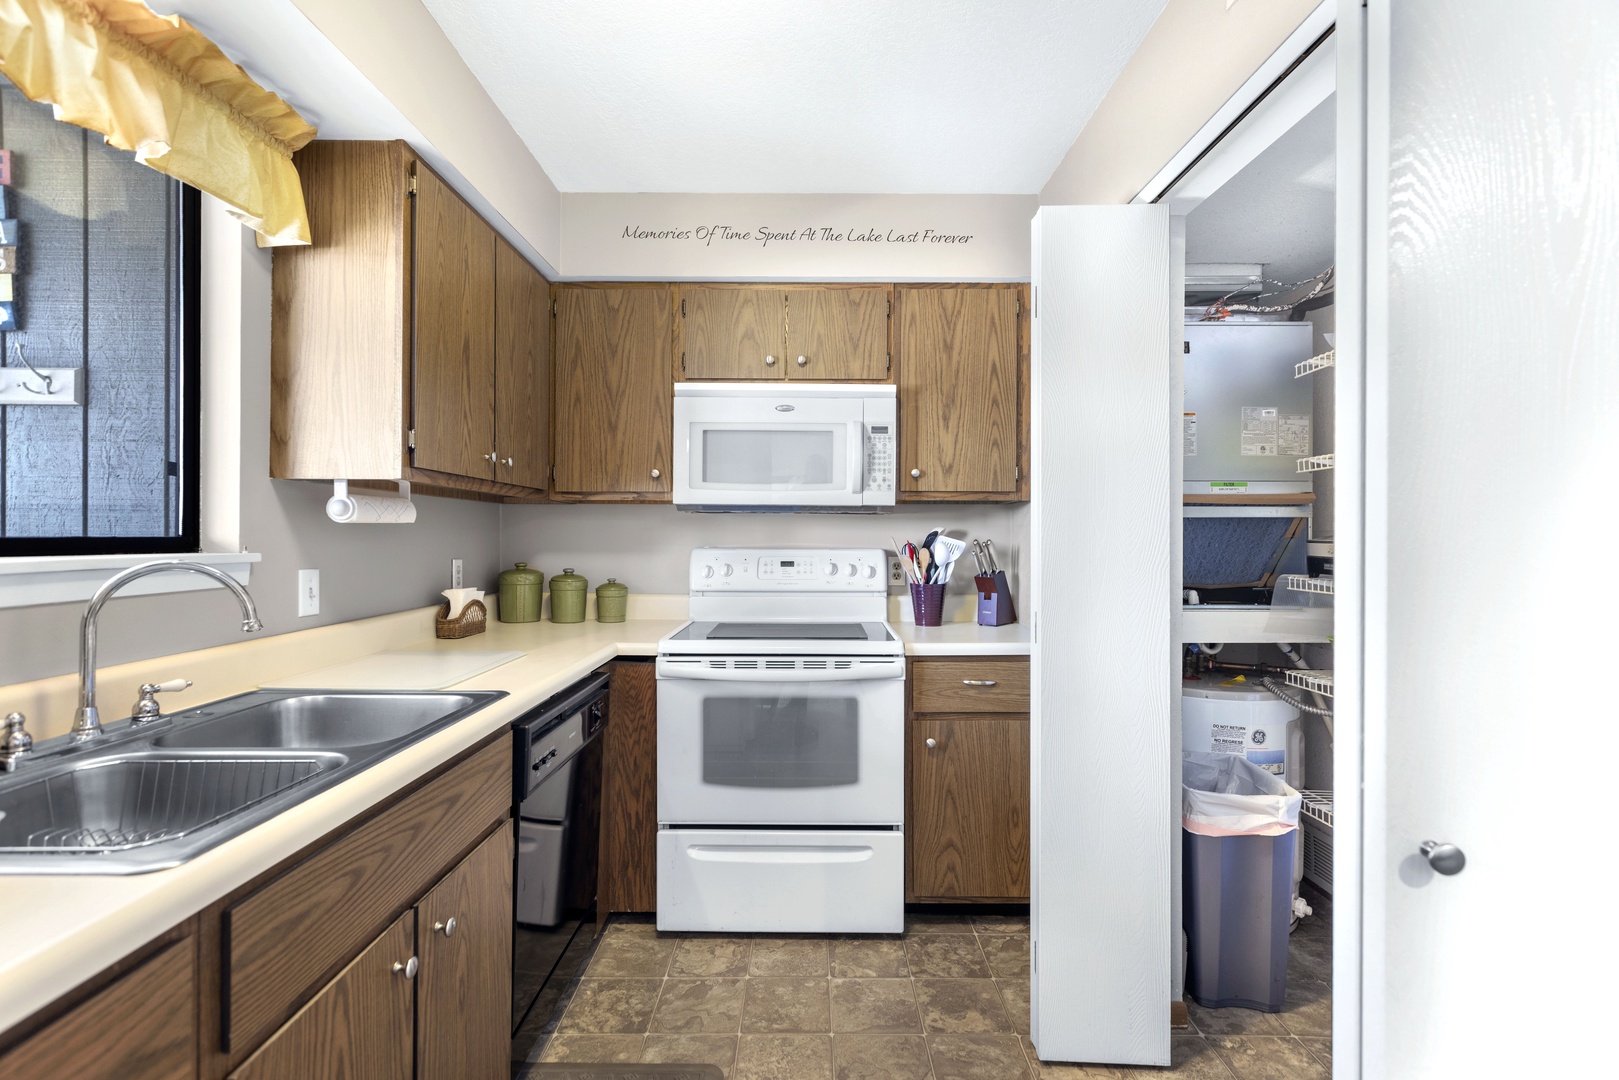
(857,672)
(766,853)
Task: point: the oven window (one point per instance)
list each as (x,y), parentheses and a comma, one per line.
(764,456)
(781,742)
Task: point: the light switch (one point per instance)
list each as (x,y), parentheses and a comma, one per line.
(308,593)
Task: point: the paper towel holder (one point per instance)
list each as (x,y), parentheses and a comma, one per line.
(346,509)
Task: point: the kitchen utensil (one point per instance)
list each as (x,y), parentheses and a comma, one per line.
(612,601)
(989,553)
(946,550)
(924,562)
(568,597)
(521,590)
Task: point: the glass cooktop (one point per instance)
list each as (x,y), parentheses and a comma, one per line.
(782,631)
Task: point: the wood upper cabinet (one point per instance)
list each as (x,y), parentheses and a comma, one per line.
(454,305)
(522,370)
(967,780)
(464,996)
(963,390)
(613,393)
(824,333)
(404,344)
(838,334)
(359,1026)
(732,333)
(142,1026)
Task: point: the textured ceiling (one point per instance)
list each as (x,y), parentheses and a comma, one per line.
(1278,210)
(903,96)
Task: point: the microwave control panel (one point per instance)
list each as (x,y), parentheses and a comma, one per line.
(879,457)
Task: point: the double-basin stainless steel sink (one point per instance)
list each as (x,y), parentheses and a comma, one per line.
(153,796)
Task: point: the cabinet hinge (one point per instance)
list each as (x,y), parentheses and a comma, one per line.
(682,361)
(1017,472)
(890,367)
(1017,305)
(682,307)
(553,309)
(890,309)
(410,184)
(411,440)
(553,474)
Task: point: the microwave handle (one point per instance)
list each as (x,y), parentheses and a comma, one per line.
(857,452)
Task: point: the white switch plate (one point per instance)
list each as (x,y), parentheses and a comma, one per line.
(308,593)
(455,573)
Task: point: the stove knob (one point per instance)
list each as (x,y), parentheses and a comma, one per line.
(728,570)
(851,570)
(871,571)
(708,572)
(831,569)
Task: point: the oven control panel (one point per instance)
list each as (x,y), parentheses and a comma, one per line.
(821,570)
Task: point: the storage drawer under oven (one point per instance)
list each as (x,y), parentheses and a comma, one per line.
(781,881)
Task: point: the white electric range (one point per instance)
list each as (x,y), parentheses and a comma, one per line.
(781,727)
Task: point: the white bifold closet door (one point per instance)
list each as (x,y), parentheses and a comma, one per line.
(1106,583)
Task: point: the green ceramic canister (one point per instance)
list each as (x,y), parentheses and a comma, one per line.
(568,596)
(520,592)
(612,601)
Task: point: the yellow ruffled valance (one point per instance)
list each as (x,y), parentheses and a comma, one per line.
(152,84)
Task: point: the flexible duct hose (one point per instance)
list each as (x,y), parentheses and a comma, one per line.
(1314,710)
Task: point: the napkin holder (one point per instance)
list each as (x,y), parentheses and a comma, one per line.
(474,619)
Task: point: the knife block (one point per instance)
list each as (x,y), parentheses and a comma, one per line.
(994,600)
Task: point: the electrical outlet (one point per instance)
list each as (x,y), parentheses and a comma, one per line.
(455,573)
(896,576)
(308,593)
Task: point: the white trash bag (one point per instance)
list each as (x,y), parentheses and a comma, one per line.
(1226,795)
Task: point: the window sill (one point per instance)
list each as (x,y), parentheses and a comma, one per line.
(62,579)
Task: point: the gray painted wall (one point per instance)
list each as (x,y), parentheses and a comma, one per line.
(365,569)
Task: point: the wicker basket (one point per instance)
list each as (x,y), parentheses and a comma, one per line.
(474,619)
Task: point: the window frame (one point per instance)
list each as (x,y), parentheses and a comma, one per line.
(189,538)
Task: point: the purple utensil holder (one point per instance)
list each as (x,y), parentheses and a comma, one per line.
(928,603)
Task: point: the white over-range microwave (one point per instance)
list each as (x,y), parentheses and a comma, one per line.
(773,446)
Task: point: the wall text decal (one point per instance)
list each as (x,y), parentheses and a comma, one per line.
(764,236)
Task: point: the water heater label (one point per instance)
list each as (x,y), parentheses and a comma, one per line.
(1293,436)
(1259,434)
(1228,738)
(1189,434)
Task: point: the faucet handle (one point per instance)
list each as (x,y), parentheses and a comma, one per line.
(147,707)
(17,741)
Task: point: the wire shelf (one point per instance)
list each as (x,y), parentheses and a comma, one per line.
(1315,464)
(1317,806)
(1315,363)
(1317,682)
(1306,583)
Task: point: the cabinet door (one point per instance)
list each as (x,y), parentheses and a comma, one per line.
(464,999)
(629,820)
(142,1027)
(839,335)
(969,821)
(614,391)
(522,369)
(959,391)
(732,333)
(358,1027)
(453,293)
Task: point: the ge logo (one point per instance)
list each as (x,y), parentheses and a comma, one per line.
(1259,736)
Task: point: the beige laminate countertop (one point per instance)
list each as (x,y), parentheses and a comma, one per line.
(66,928)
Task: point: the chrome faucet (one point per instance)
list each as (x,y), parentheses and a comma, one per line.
(87,721)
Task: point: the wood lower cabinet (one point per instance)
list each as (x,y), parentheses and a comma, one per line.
(963,386)
(464,935)
(967,783)
(628,873)
(359,1026)
(141,1026)
(613,393)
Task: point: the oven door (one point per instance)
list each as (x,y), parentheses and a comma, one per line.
(813,746)
(743,451)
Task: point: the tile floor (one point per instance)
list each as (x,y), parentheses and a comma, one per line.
(947,1000)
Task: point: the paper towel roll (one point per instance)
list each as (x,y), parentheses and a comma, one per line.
(369,508)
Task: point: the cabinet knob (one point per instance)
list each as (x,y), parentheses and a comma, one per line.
(656,474)
(508,462)
(770,361)
(447,927)
(802,360)
(409,968)
(933,744)
(916,474)
(490,456)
